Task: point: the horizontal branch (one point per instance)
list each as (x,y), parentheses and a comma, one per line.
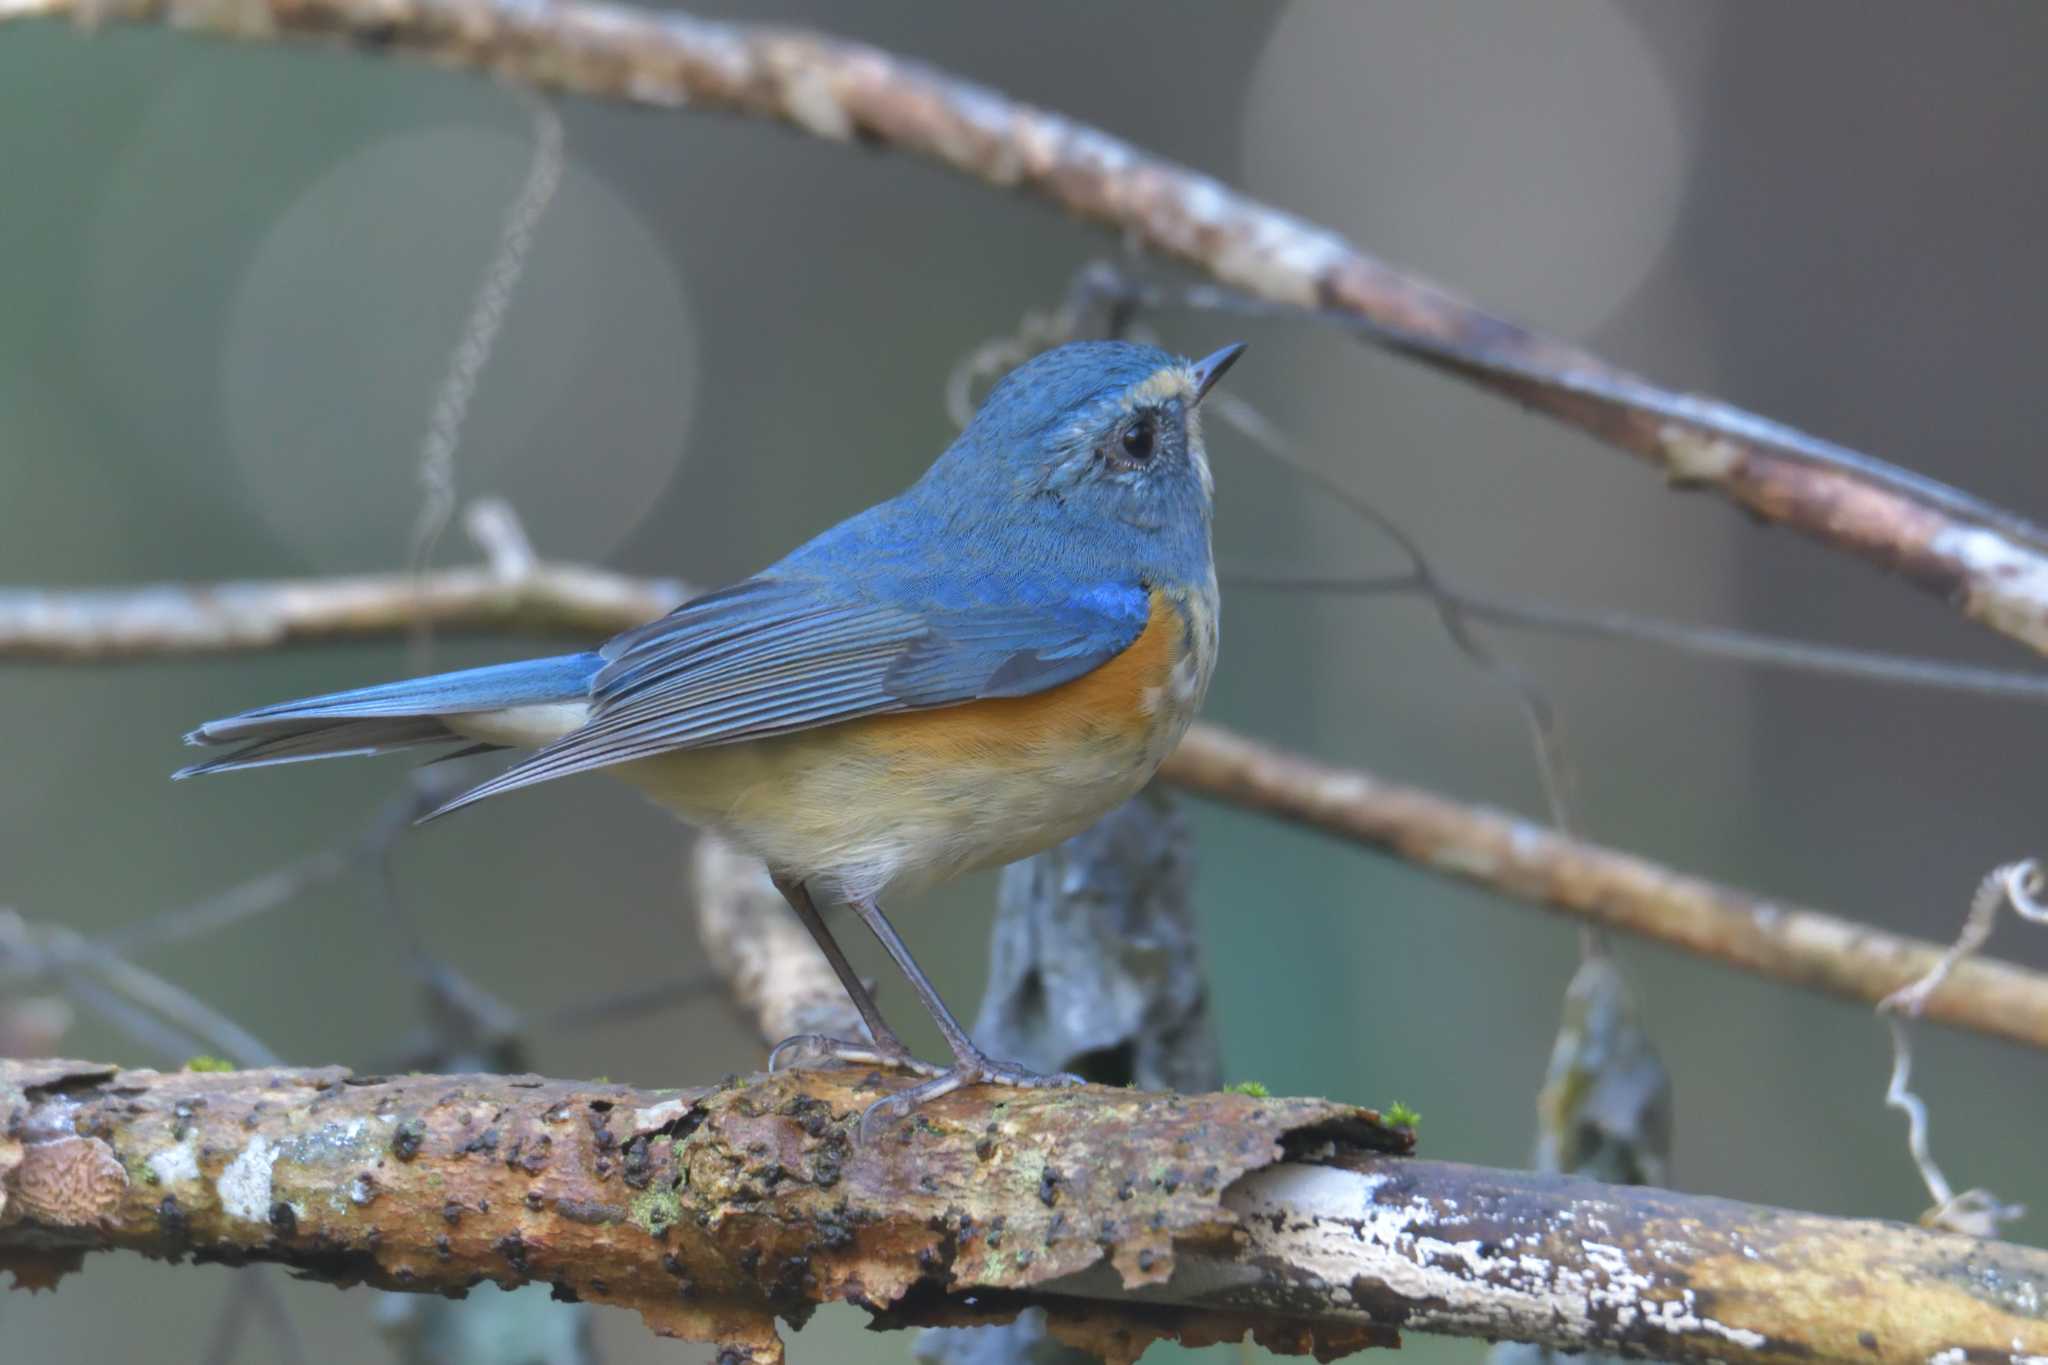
(1991,564)
(1486,847)
(82,625)
(1128,1216)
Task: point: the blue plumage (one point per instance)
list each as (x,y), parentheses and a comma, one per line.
(388,716)
(473,689)
(1005,570)
(955,678)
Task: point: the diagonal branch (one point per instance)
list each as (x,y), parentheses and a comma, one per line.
(1490,848)
(1600,885)
(1989,563)
(714,1211)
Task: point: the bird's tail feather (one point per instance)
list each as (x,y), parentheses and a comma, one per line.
(400,715)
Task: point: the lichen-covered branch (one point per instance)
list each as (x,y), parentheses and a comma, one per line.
(1493,849)
(1127,1215)
(1992,565)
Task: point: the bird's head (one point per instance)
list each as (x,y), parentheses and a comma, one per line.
(1094,435)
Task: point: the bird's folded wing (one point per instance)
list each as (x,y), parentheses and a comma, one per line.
(772,655)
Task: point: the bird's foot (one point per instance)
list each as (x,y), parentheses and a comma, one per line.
(811,1049)
(969,1068)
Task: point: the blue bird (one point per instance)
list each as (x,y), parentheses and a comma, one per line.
(956,678)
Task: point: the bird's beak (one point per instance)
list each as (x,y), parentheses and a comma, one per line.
(1211,369)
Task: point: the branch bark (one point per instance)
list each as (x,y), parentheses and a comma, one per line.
(714,1211)
(1990,564)
(1533,862)
(95,625)
(1472,843)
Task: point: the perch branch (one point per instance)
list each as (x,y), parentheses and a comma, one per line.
(1991,564)
(714,1211)
(1493,849)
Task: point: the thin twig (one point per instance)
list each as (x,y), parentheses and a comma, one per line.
(610,1007)
(1546,731)
(2015,884)
(138,1025)
(156,1013)
(231,1321)
(223,1036)
(480,334)
(254,1291)
(1977,1212)
(258,896)
(270,1302)
(1707,642)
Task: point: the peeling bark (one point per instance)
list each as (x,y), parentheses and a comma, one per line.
(1126,1215)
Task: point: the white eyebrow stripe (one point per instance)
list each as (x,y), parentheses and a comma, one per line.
(1167,382)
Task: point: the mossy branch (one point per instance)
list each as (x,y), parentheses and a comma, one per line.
(1127,1215)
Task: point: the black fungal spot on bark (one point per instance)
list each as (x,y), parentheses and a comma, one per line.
(407,1137)
(173,1224)
(485,1142)
(513,1248)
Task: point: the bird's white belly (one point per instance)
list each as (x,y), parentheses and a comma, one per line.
(829,806)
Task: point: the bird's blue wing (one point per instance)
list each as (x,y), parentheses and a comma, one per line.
(967,654)
(774,655)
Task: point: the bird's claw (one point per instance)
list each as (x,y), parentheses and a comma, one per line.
(965,1071)
(811,1049)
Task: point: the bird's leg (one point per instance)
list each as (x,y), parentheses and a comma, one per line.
(886,1049)
(971,1066)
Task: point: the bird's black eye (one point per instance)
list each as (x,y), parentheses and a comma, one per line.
(1138,438)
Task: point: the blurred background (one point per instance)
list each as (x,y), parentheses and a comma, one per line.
(231,280)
